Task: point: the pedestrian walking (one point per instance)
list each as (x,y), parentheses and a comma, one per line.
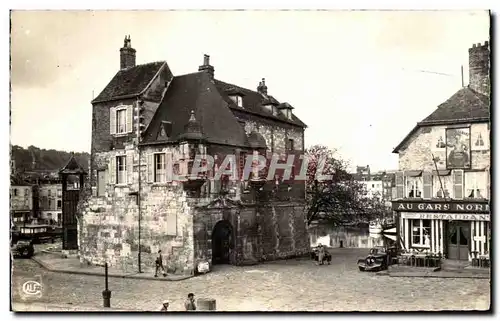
(190,304)
(159,265)
(164,306)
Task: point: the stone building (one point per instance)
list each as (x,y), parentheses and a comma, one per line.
(50,198)
(21,201)
(147,126)
(443,182)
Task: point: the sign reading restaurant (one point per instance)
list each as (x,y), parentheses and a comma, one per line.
(447,207)
(445,216)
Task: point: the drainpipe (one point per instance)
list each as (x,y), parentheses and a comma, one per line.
(139,185)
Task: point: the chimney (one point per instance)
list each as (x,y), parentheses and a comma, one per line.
(206,67)
(262,88)
(479,68)
(127,54)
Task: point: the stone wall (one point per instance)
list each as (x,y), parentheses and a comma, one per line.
(417,153)
(109,225)
(261,233)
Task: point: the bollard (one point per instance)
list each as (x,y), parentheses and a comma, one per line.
(204,304)
(106,294)
(341,244)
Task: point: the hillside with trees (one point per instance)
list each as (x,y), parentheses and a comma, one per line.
(45,160)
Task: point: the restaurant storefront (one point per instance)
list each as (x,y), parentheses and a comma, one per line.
(458,230)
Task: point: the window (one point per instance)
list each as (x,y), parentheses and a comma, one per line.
(15,191)
(446,182)
(50,193)
(50,203)
(121,170)
(121,121)
(475,184)
(414,186)
(420,233)
(238,100)
(59,204)
(291,144)
(159,168)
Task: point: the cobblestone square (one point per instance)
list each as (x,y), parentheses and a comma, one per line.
(288,285)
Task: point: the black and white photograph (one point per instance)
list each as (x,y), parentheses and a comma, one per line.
(183,161)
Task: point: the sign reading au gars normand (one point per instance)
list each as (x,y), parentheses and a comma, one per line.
(447,207)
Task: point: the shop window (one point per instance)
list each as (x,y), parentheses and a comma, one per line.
(414,186)
(420,233)
(475,184)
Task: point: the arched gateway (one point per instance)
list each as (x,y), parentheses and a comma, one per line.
(222,242)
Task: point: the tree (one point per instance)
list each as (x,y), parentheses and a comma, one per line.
(339,199)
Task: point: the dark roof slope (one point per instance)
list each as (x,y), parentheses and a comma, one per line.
(196,92)
(464,106)
(130,82)
(72,167)
(252,102)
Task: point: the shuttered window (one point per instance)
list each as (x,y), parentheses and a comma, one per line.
(400,185)
(112,170)
(121,120)
(121,170)
(160,167)
(427,180)
(458,184)
(112,120)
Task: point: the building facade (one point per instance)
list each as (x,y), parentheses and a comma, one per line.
(21,202)
(147,126)
(50,197)
(378,184)
(443,182)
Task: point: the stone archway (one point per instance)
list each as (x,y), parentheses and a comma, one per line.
(222,242)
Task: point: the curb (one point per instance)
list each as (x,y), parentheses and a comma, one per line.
(112,275)
(445,276)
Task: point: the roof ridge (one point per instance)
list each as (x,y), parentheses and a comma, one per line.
(238,87)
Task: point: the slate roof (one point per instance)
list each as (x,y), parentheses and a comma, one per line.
(197,92)
(72,167)
(129,82)
(252,103)
(464,106)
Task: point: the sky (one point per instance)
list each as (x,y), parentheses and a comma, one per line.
(360,80)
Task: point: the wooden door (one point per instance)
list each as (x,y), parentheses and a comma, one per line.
(459,240)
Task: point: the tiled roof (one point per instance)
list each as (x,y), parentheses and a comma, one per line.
(197,92)
(464,106)
(130,82)
(252,102)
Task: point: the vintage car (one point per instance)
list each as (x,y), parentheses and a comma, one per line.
(314,255)
(379,259)
(23,248)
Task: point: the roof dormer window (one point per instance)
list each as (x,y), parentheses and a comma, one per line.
(238,100)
